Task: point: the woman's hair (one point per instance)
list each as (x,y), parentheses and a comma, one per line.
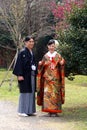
(27,38)
(52,41)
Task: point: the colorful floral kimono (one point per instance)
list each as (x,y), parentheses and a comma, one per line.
(50,83)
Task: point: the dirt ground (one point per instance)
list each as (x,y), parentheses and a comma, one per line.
(9,120)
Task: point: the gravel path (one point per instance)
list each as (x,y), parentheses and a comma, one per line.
(9,120)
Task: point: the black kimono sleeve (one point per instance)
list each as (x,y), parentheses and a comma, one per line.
(18,68)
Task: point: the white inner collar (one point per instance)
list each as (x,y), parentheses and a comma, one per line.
(51,54)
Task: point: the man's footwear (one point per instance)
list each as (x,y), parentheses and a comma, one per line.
(33,114)
(22,114)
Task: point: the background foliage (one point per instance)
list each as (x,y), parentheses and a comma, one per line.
(72,35)
(67,19)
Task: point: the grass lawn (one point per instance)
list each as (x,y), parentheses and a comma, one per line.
(75,107)
(5,93)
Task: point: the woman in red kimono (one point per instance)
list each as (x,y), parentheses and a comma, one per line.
(50,81)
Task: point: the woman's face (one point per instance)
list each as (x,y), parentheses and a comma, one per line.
(51,48)
(30,44)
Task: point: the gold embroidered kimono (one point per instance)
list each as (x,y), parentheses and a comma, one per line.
(50,84)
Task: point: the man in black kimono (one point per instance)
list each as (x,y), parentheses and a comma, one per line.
(25,70)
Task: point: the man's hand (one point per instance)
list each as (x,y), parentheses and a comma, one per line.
(20,78)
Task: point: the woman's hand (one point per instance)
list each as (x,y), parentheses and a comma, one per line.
(62,62)
(40,63)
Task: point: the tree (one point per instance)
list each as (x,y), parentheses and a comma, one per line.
(38,14)
(40,24)
(72,34)
(76,37)
(23,17)
(12,18)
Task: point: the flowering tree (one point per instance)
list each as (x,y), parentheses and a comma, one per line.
(60,10)
(71,27)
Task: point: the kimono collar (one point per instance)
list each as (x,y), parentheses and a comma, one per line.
(29,51)
(51,55)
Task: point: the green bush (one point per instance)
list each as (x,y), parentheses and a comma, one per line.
(74,42)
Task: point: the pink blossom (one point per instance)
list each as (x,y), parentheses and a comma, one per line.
(59,10)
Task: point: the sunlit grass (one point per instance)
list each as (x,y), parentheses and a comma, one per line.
(7,91)
(75,107)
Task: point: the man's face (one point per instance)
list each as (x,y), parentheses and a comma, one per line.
(30,43)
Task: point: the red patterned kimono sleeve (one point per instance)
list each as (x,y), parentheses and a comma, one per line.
(40,85)
(62,84)
(62,77)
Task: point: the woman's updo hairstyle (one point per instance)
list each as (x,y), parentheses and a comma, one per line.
(52,41)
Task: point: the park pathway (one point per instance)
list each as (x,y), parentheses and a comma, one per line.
(9,120)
